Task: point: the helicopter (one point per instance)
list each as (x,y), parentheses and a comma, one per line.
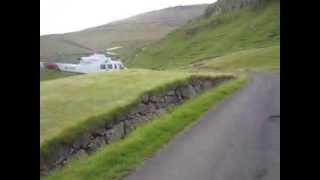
(97,61)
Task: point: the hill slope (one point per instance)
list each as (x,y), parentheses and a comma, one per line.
(214,35)
(131,33)
(252,59)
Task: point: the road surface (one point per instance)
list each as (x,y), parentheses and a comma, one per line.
(238,140)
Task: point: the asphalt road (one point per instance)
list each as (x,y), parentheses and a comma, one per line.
(239,140)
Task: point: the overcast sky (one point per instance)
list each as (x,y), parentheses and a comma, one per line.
(60,16)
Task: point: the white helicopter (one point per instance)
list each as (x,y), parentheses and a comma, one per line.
(96,62)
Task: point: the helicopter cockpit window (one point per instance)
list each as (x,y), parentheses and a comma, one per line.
(102,66)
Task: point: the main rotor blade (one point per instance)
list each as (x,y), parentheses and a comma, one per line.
(114,48)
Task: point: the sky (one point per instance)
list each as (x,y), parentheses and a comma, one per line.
(61,16)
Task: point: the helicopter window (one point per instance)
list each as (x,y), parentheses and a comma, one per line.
(109,66)
(115,66)
(102,66)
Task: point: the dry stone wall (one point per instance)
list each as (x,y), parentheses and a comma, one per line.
(148,108)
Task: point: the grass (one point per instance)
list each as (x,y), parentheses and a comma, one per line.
(118,159)
(53,74)
(213,37)
(73,105)
(252,59)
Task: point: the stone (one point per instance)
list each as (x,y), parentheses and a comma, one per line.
(80,154)
(172,99)
(145,99)
(59,162)
(197,88)
(95,144)
(129,126)
(150,115)
(155,99)
(207,85)
(142,109)
(142,120)
(160,105)
(171,93)
(122,117)
(151,108)
(72,151)
(81,142)
(161,111)
(129,116)
(178,93)
(99,132)
(58,166)
(59,155)
(188,92)
(197,85)
(138,121)
(116,133)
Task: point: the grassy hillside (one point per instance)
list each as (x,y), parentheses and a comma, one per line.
(118,159)
(252,59)
(213,36)
(131,33)
(77,100)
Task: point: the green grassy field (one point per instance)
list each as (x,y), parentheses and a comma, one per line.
(261,59)
(116,160)
(74,104)
(214,36)
(53,74)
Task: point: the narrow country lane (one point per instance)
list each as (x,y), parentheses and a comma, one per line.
(238,140)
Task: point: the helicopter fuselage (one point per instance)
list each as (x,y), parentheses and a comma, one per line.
(92,64)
